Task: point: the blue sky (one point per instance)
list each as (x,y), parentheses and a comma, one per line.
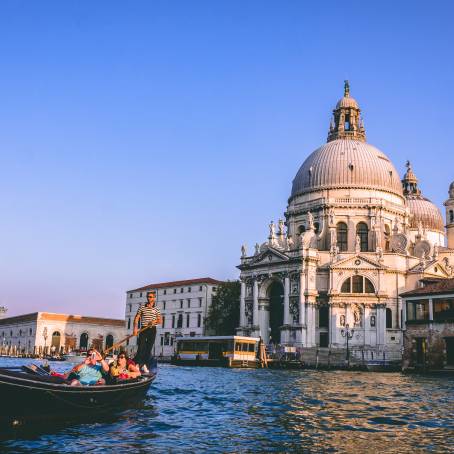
(146,141)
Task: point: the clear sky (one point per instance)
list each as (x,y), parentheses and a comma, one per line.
(146,141)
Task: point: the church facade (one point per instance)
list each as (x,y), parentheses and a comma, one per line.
(354,236)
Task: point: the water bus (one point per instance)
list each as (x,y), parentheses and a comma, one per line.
(223,351)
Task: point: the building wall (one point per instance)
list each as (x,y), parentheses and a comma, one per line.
(434,335)
(190,300)
(27,333)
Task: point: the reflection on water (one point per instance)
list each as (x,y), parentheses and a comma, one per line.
(222,410)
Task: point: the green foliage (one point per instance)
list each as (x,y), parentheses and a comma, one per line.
(224,312)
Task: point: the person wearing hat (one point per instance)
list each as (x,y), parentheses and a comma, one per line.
(149,316)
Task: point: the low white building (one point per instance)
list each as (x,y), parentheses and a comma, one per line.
(183,305)
(41,332)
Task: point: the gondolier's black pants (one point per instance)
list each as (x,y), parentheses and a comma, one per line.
(145,346)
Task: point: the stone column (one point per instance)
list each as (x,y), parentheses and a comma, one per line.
(286,300)
(404,315)
(255,296)
(243,305)
(431,310)
(302,313)
(381,324)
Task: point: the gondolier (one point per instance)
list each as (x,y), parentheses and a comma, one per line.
(149,315)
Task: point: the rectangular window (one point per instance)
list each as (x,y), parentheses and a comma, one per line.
(200,302)
(164,305)
(162,340)
(200,288)
(181,290)
(181,304)
(165,292)
(187,320)
(163,321)
(173,321)
(443,309)
(129,323)
(214,289)
(130,295)
(417,310)
(180,321)
(174,290)
(189,303)
(199,320)
(189,289)
(140,296)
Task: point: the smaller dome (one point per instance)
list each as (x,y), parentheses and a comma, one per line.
(347,102)
(424,211)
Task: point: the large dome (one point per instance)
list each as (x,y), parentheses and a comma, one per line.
(423,211)
(347,164)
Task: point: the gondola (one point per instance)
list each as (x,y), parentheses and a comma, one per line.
(26,396)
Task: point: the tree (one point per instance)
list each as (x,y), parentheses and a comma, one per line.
(224,313)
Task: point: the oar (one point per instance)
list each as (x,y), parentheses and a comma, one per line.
(125,339)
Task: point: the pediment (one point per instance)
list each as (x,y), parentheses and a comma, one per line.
(357,262)
(433,268)
(270,255)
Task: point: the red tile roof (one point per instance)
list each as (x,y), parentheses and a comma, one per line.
(202,280)
(434,288)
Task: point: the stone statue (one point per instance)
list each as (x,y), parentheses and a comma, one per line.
(332,218)
(257,248)
(243,251)
(272,231)
(310,221)
(281,227)
(396,225)
(333,237)
(436,250)
(289,241)
(358,244)
(379,252)
(357,316)
(420,229)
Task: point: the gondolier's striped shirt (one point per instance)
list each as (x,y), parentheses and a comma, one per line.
(148,315)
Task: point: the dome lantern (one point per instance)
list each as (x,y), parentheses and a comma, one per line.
(410,182)
(347,122)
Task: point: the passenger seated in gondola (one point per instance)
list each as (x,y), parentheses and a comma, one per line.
(90,372)
(124,368)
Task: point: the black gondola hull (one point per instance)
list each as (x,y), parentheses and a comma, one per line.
(23,397)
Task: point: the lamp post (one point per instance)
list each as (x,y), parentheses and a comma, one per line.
(45,338)
(348,334)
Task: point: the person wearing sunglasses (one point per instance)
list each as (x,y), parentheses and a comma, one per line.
(124,368)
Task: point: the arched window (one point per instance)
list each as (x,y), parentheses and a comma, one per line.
(389,318)
(342,230)
(451,216)
(357,284)
(83,341)
(301,229)
(109,340)
(56,340)
(363,232)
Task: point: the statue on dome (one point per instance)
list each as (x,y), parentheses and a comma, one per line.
(243,251)
(281,228)
(346,88)
(257,248)
(310,221)
(272,231)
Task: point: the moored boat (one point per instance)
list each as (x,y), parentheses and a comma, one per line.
(25,396)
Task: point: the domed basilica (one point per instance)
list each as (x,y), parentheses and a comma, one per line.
(355,236)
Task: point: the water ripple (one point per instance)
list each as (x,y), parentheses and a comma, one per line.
(221,410)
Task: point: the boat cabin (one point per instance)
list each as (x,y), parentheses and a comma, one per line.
(227,351)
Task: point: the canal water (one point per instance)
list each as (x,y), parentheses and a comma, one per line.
(192,409)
